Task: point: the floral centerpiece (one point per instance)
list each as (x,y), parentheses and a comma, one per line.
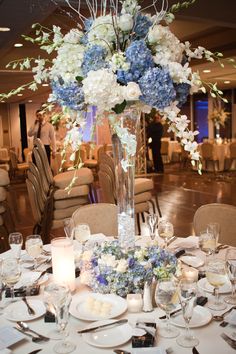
(219,116)
(107,269)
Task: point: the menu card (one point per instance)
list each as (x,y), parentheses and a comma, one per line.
(9,336)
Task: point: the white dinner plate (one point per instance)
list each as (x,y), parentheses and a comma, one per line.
(192,261)
(17,311)
(201,316)
(79,308)
(109,337)
(27,279)
(204,285)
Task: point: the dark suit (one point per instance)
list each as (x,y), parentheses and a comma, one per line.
(155,131)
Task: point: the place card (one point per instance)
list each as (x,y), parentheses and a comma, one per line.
(9,336)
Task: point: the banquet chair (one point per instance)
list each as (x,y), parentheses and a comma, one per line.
(207,153)
(224,214)
(4,211)
(101,218)
(165,151)
(232,154)
(15,166)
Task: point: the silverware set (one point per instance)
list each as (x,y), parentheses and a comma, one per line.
(35,337)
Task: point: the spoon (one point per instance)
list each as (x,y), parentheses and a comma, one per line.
(33,338)
(24,327)
(221,317)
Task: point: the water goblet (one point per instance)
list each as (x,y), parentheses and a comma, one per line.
(15,240)
(165,231)
(207,242)
(166,298)
(10,273)
(81,233)
(217,276)
(187,295)
(214,228)
(152,221)
(34,247)
(230,258)
(59,298)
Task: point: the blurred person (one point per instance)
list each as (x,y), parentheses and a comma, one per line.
(44,130)
(155,132)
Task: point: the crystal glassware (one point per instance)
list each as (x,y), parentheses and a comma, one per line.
(58,297)
(187,291)
(15,241)
(152,221)
(207,242)
(81,232)
(230,258)
(10,273)
(217,276)
(34,247)
(166,297)
(214,228)
(165,230)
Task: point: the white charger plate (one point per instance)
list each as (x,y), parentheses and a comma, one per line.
(109,337)
(201,316)
(192,261)
(79,309)
(206,286)
(17,311)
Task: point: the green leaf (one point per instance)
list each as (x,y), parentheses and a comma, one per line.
(119,108)
(79,78)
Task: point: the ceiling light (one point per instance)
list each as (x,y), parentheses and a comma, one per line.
(30,101)
(18,45)
(20,94)
(45,85)
(4,29)
(226,82)
(206,71)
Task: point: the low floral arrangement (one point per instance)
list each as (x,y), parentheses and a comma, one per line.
(107,269)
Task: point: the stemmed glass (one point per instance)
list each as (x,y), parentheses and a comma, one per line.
(59,298)
(34,247)
(81,233)
(165,231)
(230,258)
(10,272)
(152,221)
(166,298)
(187,296)
(214,228)
(207,242)
(217,276)
(15,240)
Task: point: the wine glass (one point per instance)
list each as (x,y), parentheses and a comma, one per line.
(59,298)
(15,240)
(207,242)
(187,296)
(230,258)
(152,221)
(81,232)
(166,297)
(10,273)
(214,228)
(165,231)
(217,276)
(34,247)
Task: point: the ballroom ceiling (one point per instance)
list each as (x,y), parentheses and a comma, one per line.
(210,23)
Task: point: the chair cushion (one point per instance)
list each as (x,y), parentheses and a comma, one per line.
(23,166)
(5,166)
(75,192)
(3,194)
(142,197)
(66,203)
(141,207)
(90,163)
(85,176)
(4,178)
(56,224)
(64,213)
(142,185)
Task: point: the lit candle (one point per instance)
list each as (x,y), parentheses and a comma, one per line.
(134,302)
(190,274)
(63,264)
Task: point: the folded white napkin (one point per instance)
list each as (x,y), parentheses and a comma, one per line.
(185,243)
(231,318)
(27,279)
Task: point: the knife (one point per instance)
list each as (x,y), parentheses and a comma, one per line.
(171,314)
(35,351)
(112,324)
(228,340)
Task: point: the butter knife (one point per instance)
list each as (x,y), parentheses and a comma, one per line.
(112,324)
(228,340)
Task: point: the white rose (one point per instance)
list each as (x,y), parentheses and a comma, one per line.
(126,22)
(132,91)
(122,266)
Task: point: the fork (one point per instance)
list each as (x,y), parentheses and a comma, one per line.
(30,309)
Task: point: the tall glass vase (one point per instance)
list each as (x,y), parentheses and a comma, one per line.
(124,128)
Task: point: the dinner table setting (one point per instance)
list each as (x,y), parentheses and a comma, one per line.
(52,302)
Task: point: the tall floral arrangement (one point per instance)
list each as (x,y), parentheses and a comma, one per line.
(120,53)
(219,115)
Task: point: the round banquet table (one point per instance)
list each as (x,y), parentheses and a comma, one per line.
(208,335)
(221,153)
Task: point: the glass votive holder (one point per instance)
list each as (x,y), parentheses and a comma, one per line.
(134,302)
(190,274)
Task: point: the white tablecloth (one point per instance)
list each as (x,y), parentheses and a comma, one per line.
(209,335)
(221,153)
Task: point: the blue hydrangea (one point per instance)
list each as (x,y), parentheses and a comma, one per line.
(142,25)
(182,92)
(157,88)
(87,25)
(94,59)
(69,95)
(140,59)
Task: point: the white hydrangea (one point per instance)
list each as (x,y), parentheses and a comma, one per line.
(130,7)
(73,36)
(118,61)
(122,266)
(107,260)
(179,73)
(102,31)
(102,90)
(125,22)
